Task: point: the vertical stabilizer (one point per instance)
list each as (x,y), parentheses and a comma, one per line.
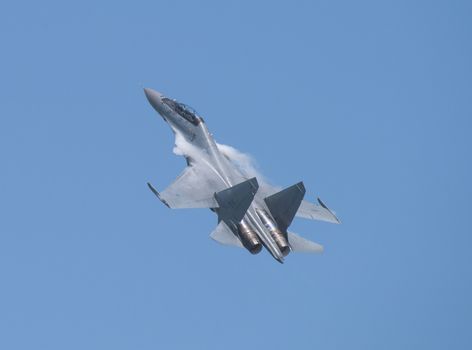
(284,205)
(234,202)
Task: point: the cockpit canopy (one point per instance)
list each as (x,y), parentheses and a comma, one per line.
(183,110)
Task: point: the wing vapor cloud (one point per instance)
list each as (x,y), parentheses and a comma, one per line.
(244,162)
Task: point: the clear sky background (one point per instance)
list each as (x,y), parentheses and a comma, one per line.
(368,102)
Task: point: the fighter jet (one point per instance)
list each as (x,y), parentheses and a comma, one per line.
(251,214)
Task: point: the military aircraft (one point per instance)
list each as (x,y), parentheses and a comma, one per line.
(250,214)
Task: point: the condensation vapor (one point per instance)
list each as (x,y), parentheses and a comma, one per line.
(248,167)
(244,162)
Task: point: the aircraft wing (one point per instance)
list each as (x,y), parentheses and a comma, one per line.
(313,211)
(194,188)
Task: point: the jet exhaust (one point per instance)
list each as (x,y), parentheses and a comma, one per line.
(249,238)
(279,238)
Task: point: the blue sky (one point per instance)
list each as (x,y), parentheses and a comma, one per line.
(369,103)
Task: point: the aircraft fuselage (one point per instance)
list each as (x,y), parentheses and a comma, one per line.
(185,123)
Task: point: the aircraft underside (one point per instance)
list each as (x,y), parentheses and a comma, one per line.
(250,214)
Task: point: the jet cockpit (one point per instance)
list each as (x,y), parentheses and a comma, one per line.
(183,110)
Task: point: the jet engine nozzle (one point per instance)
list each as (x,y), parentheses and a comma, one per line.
(249,237)
(278,236)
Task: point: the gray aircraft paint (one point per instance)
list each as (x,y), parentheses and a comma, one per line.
(211,170)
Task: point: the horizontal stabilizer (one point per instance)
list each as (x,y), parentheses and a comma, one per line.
(223,235)
(284,204)
(303,245)
(234,202)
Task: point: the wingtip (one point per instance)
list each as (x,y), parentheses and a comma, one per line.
(337,221)
(153,189)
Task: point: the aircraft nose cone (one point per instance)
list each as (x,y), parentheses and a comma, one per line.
(154,98)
